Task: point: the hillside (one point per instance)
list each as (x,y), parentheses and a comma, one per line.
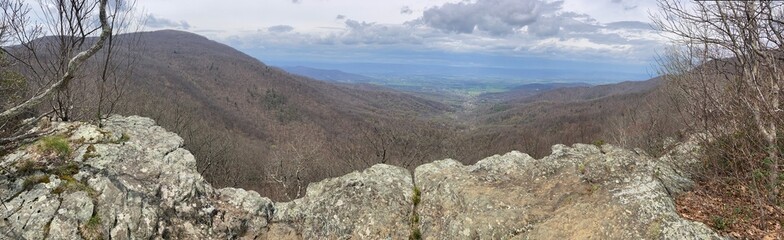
(578,92)
(529,90)
(215,95)
(625,113)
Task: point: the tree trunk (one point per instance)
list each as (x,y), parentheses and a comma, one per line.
(773,165)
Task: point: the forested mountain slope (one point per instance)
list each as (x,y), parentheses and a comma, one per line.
(240,116)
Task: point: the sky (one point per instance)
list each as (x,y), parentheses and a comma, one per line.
(613,35)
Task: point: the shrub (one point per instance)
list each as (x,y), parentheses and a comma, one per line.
(416,234)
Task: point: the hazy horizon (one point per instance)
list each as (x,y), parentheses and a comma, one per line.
(597,42)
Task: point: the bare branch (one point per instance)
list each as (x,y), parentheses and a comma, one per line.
(72,66)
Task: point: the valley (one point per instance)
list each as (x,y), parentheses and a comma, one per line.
(438,85)
(235,111)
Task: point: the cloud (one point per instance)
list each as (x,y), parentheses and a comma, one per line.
(369,34)
(120,5)
(157,22)
(498,17)
(406,10)
(626,6)
(280,29)
(630,25)
(356,25)
(502,27)
(545,27)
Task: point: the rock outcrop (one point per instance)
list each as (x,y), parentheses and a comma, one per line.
(580,192)
(131,179)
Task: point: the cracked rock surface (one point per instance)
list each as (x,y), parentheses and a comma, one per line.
(131,179)
(579,192)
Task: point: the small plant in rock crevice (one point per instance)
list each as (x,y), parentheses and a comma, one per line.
(417,196)
(56,145)
(31,181)
(26,167)
(90,153)
(416,233)
(92,228)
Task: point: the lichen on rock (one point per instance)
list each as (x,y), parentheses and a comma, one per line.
(131,179)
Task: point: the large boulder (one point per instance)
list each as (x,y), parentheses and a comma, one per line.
(373,204)
(576,193)
(131,179)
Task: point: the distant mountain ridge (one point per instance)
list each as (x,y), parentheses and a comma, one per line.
(329,75)
(584,93)
(531,89)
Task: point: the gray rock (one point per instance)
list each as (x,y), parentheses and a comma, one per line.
(29,214)
(675,166)
(132,180)
(249,210)
(75,209)
(373,204)
(575,193)
(135,183)
(64,228)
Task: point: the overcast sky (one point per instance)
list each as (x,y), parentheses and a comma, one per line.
(609,31)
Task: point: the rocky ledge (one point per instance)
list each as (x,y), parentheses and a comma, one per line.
(130,179)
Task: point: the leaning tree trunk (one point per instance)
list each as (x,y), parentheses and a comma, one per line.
(73,66)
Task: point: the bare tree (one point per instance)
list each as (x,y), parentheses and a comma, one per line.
(727,69)
(115,63)
(50,50)
(649,125)
(395,142)
(19,36)
(216,149)
(74,17)
(293,161)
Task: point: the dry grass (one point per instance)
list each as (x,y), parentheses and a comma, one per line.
(92,228)
(31,181)
(57,145)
